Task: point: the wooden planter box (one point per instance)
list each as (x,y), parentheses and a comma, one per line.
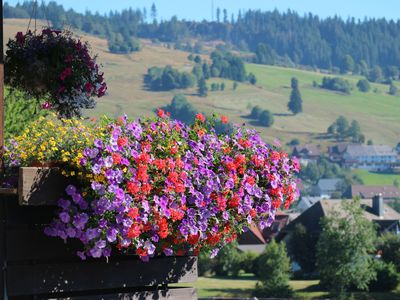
(41,186)
(41,267)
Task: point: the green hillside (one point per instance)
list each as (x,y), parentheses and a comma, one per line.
(377,112)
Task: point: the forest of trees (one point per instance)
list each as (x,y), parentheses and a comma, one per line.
(332,43)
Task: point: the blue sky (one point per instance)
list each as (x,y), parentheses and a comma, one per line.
(201,9)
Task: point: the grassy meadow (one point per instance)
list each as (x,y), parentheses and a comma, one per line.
(372,178)
(242,287)
(377,112)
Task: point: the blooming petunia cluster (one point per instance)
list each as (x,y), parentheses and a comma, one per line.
(161,187)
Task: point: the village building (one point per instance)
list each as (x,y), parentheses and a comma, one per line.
(370,157)
(307,153)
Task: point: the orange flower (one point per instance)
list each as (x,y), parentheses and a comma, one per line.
(224,119)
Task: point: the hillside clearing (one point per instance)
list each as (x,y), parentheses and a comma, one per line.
(378,113)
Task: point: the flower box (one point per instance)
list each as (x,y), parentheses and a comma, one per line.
(44,267)
(41,185)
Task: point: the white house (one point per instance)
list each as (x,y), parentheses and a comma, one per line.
(370,157)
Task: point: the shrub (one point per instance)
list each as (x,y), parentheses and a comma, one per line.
(181,109)
(255,112)
(266,118)
(228,262)
(274,272)
(393,90)
(248,259)
(205,264)
(19,113)
(336,84)
(344,247)
(168,78)
(387,278)
(294,142)
(389,244)
(363,85)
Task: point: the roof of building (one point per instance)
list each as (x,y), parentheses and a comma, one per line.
(329,184)
(253,236)
(339,148)
(367,192)
(256,235)
(331,206)
(306,202)
(370,150)
(309,149)
(312,216)
(281,220)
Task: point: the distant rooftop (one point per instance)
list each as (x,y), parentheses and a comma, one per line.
(331,206)
(370,150)
(329,184)
(366,192)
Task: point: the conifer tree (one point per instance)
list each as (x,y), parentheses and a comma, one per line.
(295,104)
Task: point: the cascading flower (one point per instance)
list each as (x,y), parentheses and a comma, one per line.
(159,186)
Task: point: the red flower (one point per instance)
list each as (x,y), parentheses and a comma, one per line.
(67,72)
(227,228)
(234,202)
(232,238)
(163,228)
(173,177)
(180,252)
(239,160)
(161,113)
(123,141)
(275,155)
(221,203)
(250,180)
(142,173)
(145,146)
(134,231)
(200,117)
(141,252)
(176,214)
(133,188)
(253,213)
(173,150)
(143,158)
(88,87)
(214,239)
(276,203)
(146,188)
(180,188)
(116,158)
(245,143)
(133,213)
(224,119)
(160,164)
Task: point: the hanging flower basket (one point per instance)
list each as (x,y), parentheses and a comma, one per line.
(56,68)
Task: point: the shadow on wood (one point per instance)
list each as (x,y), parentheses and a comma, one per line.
(41,186)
